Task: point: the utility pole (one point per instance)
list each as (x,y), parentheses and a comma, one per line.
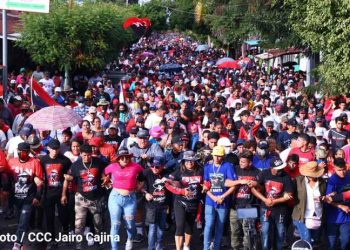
(4,53)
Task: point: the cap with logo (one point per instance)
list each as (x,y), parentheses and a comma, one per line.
(277,163)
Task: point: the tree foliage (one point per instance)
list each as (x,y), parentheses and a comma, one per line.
(325,27)
(80,36)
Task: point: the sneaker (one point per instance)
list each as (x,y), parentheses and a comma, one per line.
(16,246)
(211,246)
(90,241)
(186,247)
(138,238)
(86,230)
(128,245)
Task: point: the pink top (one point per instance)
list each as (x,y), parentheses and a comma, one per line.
(124,178)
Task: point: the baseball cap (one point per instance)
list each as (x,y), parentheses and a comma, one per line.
(54,144)
(112,126)
(218,151)
(177,140)
(277,163)
(58,89)
(23,146)
(158,161)
(143,134)
(263,145)
(134,130)
(292,122)
(240,142)
(140,119)
(269,124)
(258,118)
(25,131)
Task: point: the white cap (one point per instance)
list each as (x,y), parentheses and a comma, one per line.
(319,131)
(18,98)
(58,89)
(224,141)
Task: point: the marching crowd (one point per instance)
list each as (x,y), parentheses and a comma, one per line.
(180,141)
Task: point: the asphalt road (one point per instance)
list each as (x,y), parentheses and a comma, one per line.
(9,226)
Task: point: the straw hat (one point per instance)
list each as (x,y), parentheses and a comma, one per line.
(311,169)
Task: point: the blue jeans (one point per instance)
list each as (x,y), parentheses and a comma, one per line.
(341,230)
(119,206)
(24,211)
(156,230)
(306,234)
(212,213)
(194,139)
(265,227)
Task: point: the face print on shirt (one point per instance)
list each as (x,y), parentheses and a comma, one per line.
(273,189)
(243,191)
(89,179)
(53,172)
(217,182)
(22,185)
(159,191)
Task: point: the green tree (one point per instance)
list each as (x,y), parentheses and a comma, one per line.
(73,36)
(325,27)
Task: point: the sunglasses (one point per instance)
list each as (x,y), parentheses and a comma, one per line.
(156,167)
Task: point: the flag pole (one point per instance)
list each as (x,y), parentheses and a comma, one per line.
(31,92)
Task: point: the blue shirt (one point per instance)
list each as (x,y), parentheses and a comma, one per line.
(217,177)
(336,184)
(262,164)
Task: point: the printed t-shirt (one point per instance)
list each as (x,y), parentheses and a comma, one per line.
(243,195)
(54,170)
(24,173)
(275,186)
(217,177)
(156,188)
(190,180)
(88,178)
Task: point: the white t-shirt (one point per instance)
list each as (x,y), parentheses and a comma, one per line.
(152,120)
(48,85)
(12,144)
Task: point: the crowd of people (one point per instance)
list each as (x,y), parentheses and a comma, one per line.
(180,142)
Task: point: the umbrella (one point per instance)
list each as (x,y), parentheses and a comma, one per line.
(170,67)
(264,56)
(224,59)
(202,47)
(54,118)
(147,54)
(230,65)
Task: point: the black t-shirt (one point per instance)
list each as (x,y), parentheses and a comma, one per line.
(243,195)
(88,179)
(154,186)
(54,171)
(116,141)
(190,180)
(275,186)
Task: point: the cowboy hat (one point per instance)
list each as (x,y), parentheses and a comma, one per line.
(311,169)
(102,102)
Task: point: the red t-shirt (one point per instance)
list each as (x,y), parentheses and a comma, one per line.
(24,173)
(304,157)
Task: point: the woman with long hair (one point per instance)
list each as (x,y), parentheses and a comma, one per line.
(185,183)
(86,133)
(97,125)
(126,179)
